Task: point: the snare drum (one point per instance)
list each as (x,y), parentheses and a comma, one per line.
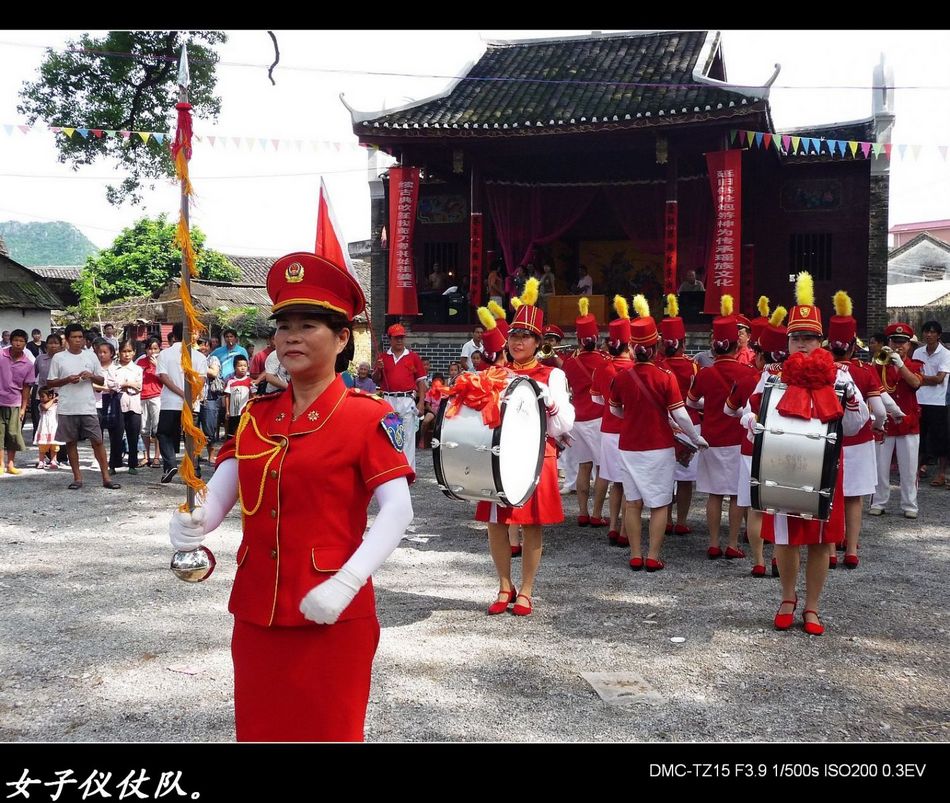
(503,465)
(794,460)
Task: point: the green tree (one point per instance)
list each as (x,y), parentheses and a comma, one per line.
(125,81)
(143,259)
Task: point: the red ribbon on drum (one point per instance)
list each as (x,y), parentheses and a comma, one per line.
(811,387)
(481,391)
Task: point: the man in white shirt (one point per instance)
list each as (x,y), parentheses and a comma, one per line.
(932,397)
(172,377)
(108,334)
(585,285)
(471,346)
(71,373)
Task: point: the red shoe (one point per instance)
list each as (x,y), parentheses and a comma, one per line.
(774,567)
(758,570)
(583,521)
(613,536)
(598,522)
(654,565)
(732,553)
(812,628)
(851,561)
(622,540)
(669,528)
(681,529)
(500,606)
(713,552)
(783,621)
(516,551)
(832,561)
(522,610)
(636,564)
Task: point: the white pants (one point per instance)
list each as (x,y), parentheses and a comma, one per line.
(405,408)
(906,447)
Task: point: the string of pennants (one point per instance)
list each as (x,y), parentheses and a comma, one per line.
(796,145)
(214,141)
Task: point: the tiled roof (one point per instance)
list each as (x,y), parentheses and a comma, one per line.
(917,294)
(581,83)
(923,237)
(66,272)
(253,269)
(28,295)
(925,225)
(859,130)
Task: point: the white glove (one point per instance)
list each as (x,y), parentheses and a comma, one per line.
(748,422)
(701,443)
(186,531)
(324,603)
(896,360)
(899,416)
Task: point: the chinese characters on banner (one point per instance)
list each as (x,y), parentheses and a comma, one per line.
(403,198)
(723,264)
(669,235)
(475,261)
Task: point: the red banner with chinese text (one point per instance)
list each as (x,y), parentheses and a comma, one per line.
(403,199)
(475,260)
(723,274)
(670,223)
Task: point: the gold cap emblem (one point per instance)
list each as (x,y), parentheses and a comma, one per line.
(294,272)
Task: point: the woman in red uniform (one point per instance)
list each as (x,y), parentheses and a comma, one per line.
(544,506)
(305,627)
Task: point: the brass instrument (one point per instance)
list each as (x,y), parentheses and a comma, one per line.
(548,351)
(883,357)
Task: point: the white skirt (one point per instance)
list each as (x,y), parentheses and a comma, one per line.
(860,469)
(649,476)
(610,466)
(683,473)
(718,470)
(744,497)
(586,445)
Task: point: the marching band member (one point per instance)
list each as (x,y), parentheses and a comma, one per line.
(610,471)
(811,374)
(718,471)
(771,343)
(859,463)
(684,369)
(553,335)
(646,397)
(305,626)
(401,378)
(900,379)
(544,506)
(745,354)
(579,370)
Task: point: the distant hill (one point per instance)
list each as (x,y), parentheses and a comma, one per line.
(56,243)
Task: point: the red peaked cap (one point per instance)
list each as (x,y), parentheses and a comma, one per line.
(396,330)
(304,282)
(530,318)
(553,330)
(900,330)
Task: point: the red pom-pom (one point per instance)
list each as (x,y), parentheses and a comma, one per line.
(812,371)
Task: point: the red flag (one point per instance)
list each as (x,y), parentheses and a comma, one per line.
(329,245)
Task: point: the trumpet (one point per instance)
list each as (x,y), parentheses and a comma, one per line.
(548,351)
(883,357)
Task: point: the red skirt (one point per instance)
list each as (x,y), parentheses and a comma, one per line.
(543,506)
(793,531)
(302,684)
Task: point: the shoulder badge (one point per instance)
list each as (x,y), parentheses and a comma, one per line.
(356,392)
(393,427)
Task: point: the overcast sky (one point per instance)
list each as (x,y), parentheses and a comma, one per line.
(263,201)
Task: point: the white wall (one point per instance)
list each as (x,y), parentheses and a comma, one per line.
(27,319)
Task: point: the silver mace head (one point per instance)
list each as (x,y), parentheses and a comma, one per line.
(193,566)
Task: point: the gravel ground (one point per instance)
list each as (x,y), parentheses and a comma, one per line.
(102,643)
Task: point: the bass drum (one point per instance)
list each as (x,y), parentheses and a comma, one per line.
(503,465)
(794,460)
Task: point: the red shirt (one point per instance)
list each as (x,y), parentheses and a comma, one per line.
(603,376)
(684,369)
(258,360)
(869,385)
(904,395)
(580,376)
(401,375)
(738,398)
(301,525)
(746,356)
(714,384)
(151,387)
(645,424)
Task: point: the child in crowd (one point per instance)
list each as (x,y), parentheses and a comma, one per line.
(236,393)
(45,436)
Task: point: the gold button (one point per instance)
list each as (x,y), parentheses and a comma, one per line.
(273,513)
(273,474)
(273,554)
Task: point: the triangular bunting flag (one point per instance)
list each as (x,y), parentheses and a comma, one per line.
(786,141)
(943,151)
(759,137)
(125,134)
(276,143)
(83,132)
(159,137)
(8,129)
(97,133)
(111,133)
(915,151)
(877,148)
(211,140)
(733,133)
(24,128)
(336,146)
(767,140)
(69,132)
(143,135)
(887,149)
(865,149)
(902,151)
(749,137)
(55,129)
(314,145)
(236,141)
(263,142)
(795,143)
(298,143)
(329,243)
(250,143)
(853,147)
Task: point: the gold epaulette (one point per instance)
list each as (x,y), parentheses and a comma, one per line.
(362,394)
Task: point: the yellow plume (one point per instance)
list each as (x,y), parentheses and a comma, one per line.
(516,303)
(496,309)
(672,305)
(641,305)
(583,305)
(530,294)
(764,306)
(804,290)
(778,316)
(620,307)
(725,305)
(843,304)
(486,317)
